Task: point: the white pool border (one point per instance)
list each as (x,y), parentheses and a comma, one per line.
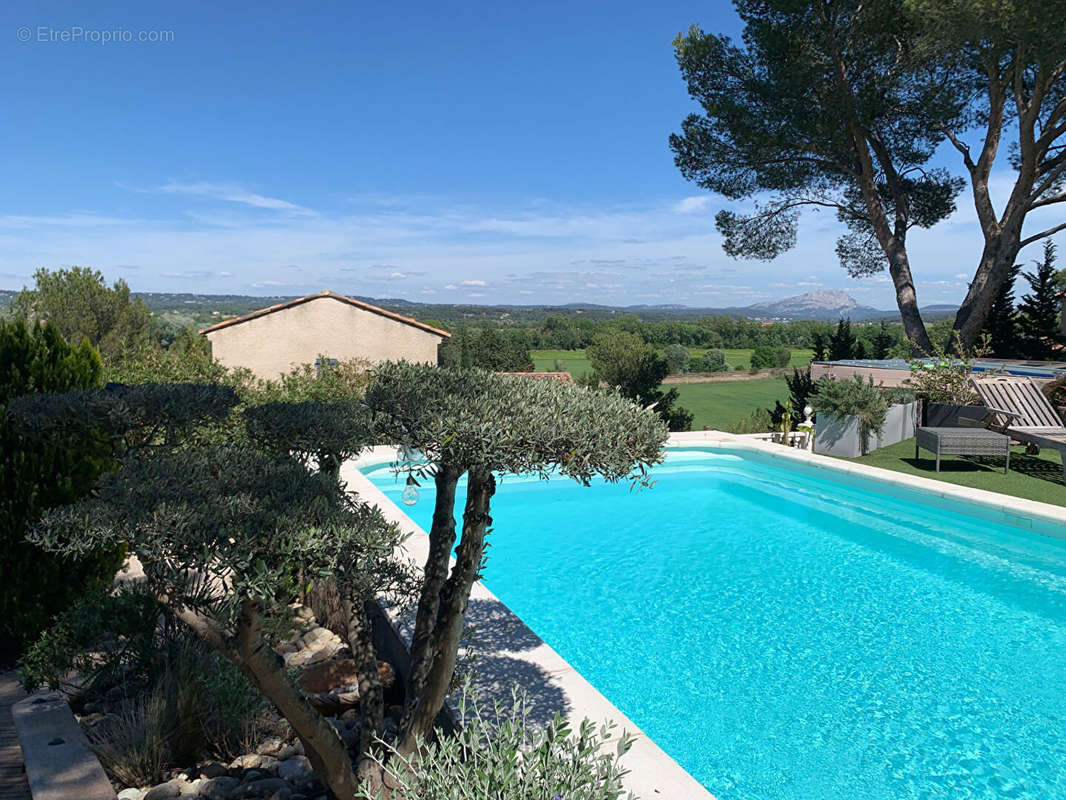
(652,773)
(1018,512)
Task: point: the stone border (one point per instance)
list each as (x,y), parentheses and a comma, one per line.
(535,666)
(59,763)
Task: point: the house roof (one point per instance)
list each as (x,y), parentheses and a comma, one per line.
(333,295)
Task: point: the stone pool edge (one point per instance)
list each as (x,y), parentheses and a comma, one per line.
(652,772)
(1043,518)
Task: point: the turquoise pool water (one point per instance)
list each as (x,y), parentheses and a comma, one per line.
(783,635)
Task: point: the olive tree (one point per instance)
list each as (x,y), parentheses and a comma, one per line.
(227,535)
(474,423)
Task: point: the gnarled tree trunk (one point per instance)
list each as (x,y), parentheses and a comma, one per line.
(443,644)
(254,657)
(434,575)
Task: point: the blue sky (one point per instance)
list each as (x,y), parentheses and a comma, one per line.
(442,152)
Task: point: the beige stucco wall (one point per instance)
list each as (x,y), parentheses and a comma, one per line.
(274,343)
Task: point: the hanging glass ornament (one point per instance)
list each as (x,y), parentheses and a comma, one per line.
(410,492)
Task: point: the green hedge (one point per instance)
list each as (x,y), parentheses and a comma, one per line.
(34,585)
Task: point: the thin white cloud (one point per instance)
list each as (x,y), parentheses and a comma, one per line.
(692,205)
(230,193)
(473,283)
(76,220)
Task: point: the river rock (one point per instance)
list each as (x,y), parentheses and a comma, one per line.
(294,769)
(164,791)
(221,788)
(270,747)
(130,794)
(252,761)
(213,770)
(264,787)
(329,675)
(290,750)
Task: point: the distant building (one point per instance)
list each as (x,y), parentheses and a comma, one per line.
(274,340)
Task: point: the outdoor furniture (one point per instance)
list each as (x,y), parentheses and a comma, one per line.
(1019,409)
(963,442)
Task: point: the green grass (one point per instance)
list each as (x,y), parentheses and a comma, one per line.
(574,361)
(721,404)
(1032,477)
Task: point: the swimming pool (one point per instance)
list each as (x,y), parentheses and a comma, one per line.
(784,632)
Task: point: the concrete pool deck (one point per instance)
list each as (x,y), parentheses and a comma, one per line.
(509,652)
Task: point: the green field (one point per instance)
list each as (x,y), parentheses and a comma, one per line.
(721,404)
(574,361)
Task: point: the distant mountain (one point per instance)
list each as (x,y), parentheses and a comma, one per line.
(825,304)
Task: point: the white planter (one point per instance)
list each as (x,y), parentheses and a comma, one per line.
(835,437)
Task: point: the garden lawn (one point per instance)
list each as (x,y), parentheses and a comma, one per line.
(1032,477)
(574,361)
(720,404)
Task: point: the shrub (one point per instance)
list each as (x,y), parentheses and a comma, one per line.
(325,382)
(201,707)
(677,357)
(852,397)
(945,378)
(714,361)
(178,701)
(767,357)
(757,422)
(1056,392)
(897,395)
(800,388)
(500,756)
(102,638)
(35,585)
(636,369)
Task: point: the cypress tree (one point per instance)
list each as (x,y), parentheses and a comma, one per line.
(35,585)
(1039,310)
(1002,324)
(842,342)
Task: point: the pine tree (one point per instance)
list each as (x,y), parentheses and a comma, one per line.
(842,342)
(1039,310)
(1002,324)
(883,342)
(818,342)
